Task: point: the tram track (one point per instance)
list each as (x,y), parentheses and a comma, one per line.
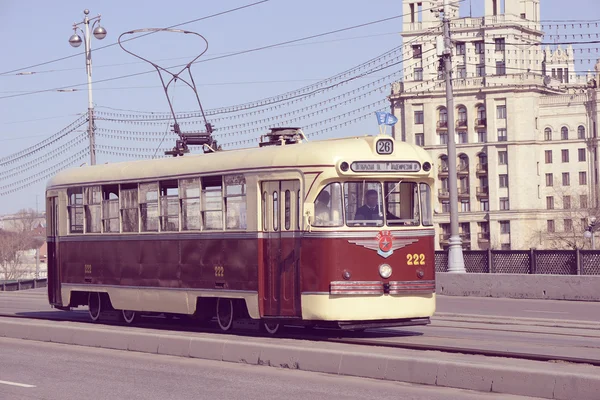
(375,337)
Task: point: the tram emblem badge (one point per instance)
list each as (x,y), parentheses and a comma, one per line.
(384,243)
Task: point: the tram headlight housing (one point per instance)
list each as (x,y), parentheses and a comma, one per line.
(385,270)
(426,166)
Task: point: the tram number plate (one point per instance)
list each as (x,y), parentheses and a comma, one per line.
(385,146)
(219,271)
(415,259)
(88,268)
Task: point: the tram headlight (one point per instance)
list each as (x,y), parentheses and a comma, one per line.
(385,271)
(344,166)
(346,275)
(426,166)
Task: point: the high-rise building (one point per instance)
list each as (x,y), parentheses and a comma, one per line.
(525,126)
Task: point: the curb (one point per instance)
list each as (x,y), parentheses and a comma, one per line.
(497,375)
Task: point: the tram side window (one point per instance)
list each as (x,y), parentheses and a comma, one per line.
(402,203)
(235,201)
(149,206)
(426,212)
(92,200)
(129,207)
(75,210)
(328,207)
(110,208)
(189,196)
(212,202)
(364,203)
(169,206)
(287,213)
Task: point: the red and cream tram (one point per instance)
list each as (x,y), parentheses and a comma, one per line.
(334,233)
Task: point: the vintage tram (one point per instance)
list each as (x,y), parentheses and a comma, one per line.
(335,233)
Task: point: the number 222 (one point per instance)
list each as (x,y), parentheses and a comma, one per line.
(415,259)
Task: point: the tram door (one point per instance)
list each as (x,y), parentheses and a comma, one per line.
(281,248)
(54,296)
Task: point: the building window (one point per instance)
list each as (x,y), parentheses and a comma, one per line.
(460,49)
(565,155)
(549,180)
(479,47)
(443,117)
(445,207)
(547,134)
(502,157)
(504,227)
(566,179)
(480,70)
(499,44)
(505,246)
(500,68)
(548,156)
(462,115)
(461,71)
(503,179)
(443,138)
(417,53)
(502,135)
(549,202)
(418,74)
(462,137)
(581,132)
(418,117)
(482,136)
(564,133)
(581,154)
(566,202)
(465,206)
(420,139)
(568,225)
(583,178)
(501,112)
(504,205)
(481,114)
(484,205)
(550,226)
(583,201)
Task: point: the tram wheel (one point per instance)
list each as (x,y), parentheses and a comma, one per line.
(270,327)
(94,305)
(225,314)
(129,316)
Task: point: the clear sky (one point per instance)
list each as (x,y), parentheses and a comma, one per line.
(35,32)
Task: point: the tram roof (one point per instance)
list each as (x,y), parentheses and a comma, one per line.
(306,154)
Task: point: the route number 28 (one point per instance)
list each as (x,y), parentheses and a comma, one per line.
(415,259)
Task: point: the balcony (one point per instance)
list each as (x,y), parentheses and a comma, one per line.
(443,170)
(442,125)
(464,236)
(482,169)
(461,123)
(463,192)
(483,192)
(443,193)
(483,237)
(462,169)
(480,123)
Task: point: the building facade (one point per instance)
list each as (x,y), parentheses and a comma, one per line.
(525,126)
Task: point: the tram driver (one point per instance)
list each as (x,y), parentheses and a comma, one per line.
(370,210)
(322,212)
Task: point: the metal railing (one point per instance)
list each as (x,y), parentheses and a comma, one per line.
(11,286)
(552,262)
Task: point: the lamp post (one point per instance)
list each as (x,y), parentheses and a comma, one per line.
(75,41)
(589,232)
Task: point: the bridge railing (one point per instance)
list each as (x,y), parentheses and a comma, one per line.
(554,262)
(10,286)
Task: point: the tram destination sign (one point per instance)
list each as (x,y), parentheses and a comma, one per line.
(386,166)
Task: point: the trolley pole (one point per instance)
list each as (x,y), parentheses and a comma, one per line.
(456,261)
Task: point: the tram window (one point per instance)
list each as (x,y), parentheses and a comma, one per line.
(92,200)
(110,208)
(75,210)
(275,211)
(265,225)
(149,206)
(364,203)
(299,209)
(287,213)
(328,206)
(189,196)
(212,202)
(129,207)
(402,203)
(426,213)
(169,206)
(235,201)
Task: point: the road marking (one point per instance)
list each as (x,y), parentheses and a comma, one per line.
(17,384)
(547,312)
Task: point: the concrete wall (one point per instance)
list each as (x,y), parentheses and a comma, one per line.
(548,287)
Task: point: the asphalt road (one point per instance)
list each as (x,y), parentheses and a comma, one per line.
(34,370)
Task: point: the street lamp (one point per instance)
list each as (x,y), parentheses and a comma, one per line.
(589,232)
(75,41)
